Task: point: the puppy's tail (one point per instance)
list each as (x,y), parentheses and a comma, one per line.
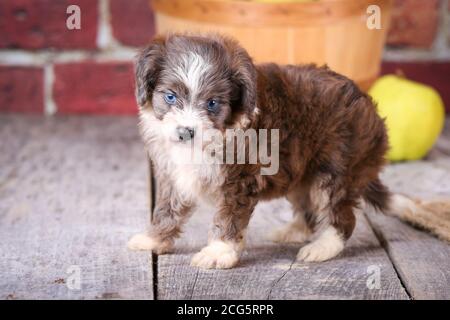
(433,216)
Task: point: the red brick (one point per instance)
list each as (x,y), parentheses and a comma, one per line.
(90,87)
(434,74)
(133,25)
(37,24)
(21,89)
(414,23)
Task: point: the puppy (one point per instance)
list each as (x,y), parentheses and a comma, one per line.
(330,140)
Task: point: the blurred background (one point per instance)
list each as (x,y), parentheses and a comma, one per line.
(46,68)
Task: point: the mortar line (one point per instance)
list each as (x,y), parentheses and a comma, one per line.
(50,107)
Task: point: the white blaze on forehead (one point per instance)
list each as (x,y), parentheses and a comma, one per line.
(191,70)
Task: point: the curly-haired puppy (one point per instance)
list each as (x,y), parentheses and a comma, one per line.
(331,145)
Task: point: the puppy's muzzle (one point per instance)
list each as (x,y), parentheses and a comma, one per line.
(185,133)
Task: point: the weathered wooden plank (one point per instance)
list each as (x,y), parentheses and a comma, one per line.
(422,261)
(12,139)
(268,271)
(441,149)
(79,190)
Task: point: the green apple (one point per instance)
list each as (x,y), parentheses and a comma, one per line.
(414,116)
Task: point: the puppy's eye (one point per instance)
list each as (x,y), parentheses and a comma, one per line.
(170,98)
(213,105)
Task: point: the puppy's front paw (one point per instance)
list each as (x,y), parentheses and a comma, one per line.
(142,241)
(327,246)
(218,254)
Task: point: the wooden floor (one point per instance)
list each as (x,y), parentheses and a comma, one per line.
(73,190)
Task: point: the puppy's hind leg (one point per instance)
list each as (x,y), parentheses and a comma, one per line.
(334,223)
(296,231)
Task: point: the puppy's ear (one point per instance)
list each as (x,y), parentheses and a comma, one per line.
(148,66)
(243,77)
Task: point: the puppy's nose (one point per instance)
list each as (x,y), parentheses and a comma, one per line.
(185,133)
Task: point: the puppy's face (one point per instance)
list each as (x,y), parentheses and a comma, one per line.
(195,83)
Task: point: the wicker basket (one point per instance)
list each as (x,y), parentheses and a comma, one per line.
(332,32)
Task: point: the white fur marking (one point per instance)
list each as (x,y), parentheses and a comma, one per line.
(218,254)
(328,245)
(192,68)
(291,232)
(399,204)
(142,241)
(190,179)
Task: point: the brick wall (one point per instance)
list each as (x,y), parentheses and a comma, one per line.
(44,67)
(420,31)
(418,44)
